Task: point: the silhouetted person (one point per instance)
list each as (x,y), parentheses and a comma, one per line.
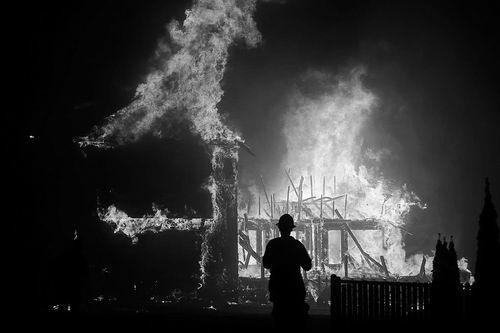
(284,256)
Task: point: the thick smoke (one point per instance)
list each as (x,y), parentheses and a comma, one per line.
(324,128)
(324,138)
(187,83)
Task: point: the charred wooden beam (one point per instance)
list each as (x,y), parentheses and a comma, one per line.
(300,203)
(366,255)
(300,197)
(328,223)
(324,247)
(293,185)
(344,250)
(265,193)
(244,241)
(384,265)
(422,267)
(258,239)
(287,198)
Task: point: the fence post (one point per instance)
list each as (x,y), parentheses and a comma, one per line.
(393,300)
(404,300)
(349,300)
(427,300)
(420,301)
(385,300)
(376,301)
(335,297)
(387,309)
(371,296)
(364,302)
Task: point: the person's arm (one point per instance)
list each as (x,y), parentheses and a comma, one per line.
(267,258)
(305,262)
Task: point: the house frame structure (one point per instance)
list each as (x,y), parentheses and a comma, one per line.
(315,217)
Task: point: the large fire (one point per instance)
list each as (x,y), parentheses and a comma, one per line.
(323,136)
(187,86)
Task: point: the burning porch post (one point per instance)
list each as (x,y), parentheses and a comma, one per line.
(219,257)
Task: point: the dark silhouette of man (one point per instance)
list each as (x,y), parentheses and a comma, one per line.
(284,256)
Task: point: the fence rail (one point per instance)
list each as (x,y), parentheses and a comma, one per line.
(383,300)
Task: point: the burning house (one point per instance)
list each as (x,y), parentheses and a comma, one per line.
(218,263)
(352,222)
(185,88)
(328,235)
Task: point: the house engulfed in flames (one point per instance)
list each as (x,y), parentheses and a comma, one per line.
(233,243)
(353,228)
(328,235)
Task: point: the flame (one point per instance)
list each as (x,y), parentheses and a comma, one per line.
(323,134)
(132,227)
(187,82)
(186,86)
(324,138)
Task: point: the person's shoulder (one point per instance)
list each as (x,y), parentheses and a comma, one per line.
(273,241)
(299,243)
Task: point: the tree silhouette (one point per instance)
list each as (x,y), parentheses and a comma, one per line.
(454,271)
(439,280)
(453,283)
(437,264)
(486,286)
(445,281)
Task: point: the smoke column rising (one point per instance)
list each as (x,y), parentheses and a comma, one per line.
(323,130)
(186,84)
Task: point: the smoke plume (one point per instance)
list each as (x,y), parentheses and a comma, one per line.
(187,82)
(324,129)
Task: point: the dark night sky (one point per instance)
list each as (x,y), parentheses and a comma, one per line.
(435,68)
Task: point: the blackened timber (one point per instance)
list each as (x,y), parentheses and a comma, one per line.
(324,246)
(386,271)
(298,193)
(287,198)
(317,245)
(245,244)
(258,239)
(293,185)
(422,267)
(344,250)
(265,193)
(366,255)
(336,224)
(314,232)
(328,224)
(308,239)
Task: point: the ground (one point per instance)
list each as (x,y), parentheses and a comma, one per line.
(236,318)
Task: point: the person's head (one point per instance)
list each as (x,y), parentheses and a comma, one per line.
(285,224)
